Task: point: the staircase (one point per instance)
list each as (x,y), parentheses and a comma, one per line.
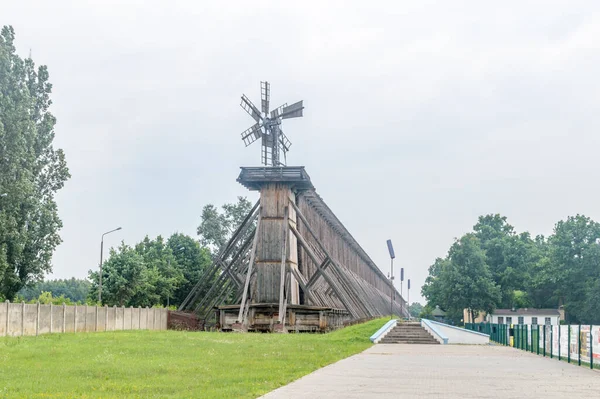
(408,333)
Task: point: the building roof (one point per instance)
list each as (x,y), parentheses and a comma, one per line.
(438,312)
(525,312)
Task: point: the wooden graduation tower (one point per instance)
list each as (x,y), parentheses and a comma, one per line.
(291,265)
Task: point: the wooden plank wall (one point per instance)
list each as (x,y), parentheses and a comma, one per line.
(342,247)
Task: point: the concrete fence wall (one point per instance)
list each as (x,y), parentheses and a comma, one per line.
(17,319)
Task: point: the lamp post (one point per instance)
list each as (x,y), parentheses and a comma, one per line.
(392,291)
(101,252)
(408,299)
(401,284)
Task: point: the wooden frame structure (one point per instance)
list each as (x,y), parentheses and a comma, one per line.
(291,265)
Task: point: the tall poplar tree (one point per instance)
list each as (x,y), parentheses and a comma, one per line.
(31,170)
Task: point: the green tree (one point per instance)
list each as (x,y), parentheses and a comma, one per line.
(415,309)
(216,227)
(161,277)
(509,256)
(123,276)
(191,260)
(573,269)
(76,290)
(464,280)
(31,171)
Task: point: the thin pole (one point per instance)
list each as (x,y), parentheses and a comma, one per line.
(591,347)
(569,345)
(559,340)
(100,276)
(579,345)
(551,342)
(545,340)
(392,289)
(408,301)
(101,252)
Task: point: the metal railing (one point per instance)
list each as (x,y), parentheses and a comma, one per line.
(571,343)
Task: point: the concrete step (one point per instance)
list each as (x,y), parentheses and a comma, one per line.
(410,343)
(409,334)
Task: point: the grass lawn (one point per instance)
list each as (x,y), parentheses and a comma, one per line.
(169,364)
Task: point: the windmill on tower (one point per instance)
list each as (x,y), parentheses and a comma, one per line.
(268,126)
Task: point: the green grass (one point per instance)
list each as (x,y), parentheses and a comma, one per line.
(168,364)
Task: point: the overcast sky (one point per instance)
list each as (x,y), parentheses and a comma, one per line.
(420,116)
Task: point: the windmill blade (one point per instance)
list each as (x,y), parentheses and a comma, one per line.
(277,111)
(292,111)
(252,134)
(265,96)
(284,141)
(250,108)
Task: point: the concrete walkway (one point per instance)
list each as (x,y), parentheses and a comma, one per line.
(445,371)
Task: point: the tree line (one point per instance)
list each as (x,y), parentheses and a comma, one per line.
(163,271)
(152,272)
(496,267)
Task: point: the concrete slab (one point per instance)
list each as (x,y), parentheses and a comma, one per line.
(445,371)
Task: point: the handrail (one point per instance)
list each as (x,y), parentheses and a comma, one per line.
(429,323)
(458,328)
(378,336)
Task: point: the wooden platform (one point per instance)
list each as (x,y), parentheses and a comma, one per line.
(253,178)
(299,318)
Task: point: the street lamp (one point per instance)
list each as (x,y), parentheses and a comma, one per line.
(101,252)
(401,284)
(408,299)
(392,291)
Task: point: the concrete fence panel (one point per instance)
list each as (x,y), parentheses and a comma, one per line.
(44,320)
(69,319)
(57,318)
(17,319)
(111,314)
(14,319)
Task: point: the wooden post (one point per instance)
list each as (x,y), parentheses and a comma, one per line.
(85,319)
(75,319)
(64,318)
(249,273)
(282,267)
(105,317)
(115,325)
(96,316)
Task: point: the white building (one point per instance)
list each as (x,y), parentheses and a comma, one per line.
(525,316)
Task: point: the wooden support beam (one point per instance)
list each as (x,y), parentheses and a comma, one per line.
(302,283)
(209,275)
(352,288)
(331,283)
(316,276)
(249,272)
(284,254)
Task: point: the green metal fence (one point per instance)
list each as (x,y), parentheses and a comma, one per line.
(570,343)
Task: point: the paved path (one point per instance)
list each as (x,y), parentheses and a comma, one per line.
(445,371)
